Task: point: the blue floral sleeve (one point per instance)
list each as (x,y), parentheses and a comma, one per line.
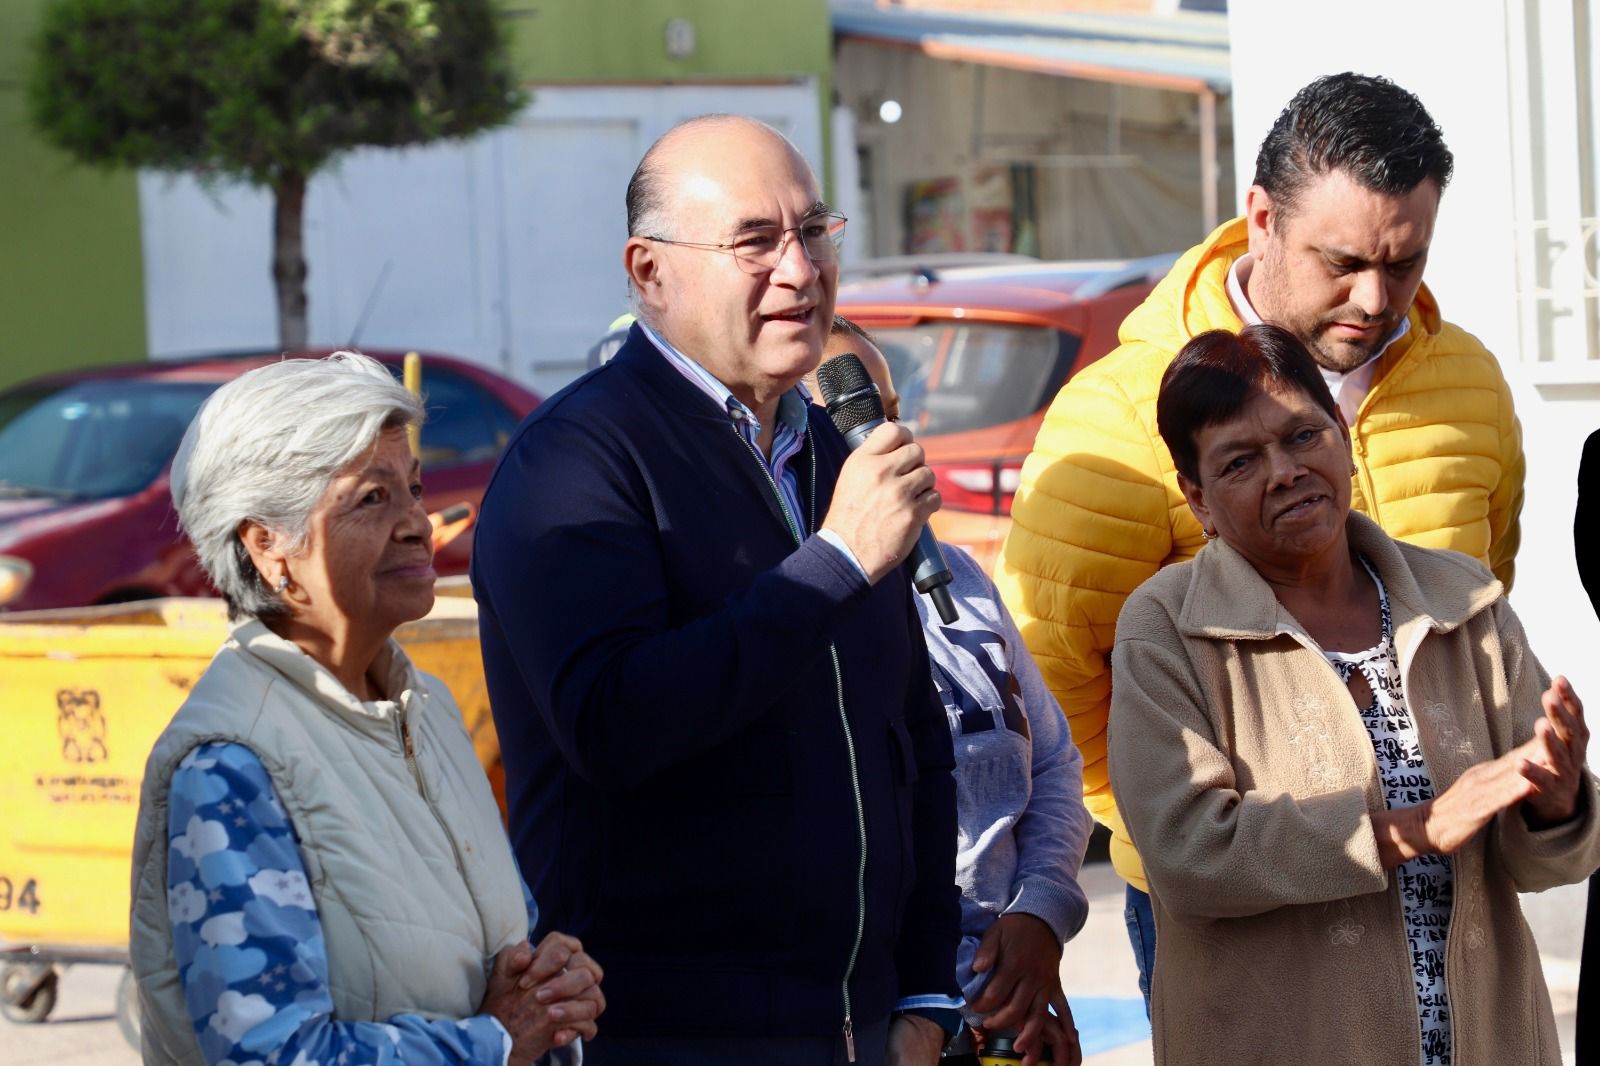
(249,944)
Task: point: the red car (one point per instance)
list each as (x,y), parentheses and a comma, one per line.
(978,353)
(85,509)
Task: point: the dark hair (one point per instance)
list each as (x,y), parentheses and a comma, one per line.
(843,327)
(1368,127)
(645,199)
(1217,373)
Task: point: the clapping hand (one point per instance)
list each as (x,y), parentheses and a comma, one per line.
(1556,768)
(1544,774)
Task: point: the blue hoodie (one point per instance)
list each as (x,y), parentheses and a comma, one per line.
(1023,827)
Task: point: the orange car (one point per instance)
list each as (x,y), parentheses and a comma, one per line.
(977,355)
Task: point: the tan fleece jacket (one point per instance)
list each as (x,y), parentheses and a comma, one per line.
(1248,783)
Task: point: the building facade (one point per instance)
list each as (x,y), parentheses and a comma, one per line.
(1041,128)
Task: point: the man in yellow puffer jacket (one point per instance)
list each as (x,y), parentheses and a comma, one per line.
(1332,246)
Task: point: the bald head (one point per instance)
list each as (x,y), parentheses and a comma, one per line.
(722,256)
(651,190)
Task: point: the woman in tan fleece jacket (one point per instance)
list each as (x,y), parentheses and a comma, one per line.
(1336,754)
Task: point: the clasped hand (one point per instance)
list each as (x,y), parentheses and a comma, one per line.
(1022,957)
(545,997)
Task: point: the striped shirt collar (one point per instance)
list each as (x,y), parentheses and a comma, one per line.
(792,405)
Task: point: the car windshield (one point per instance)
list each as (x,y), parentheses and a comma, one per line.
(92,439)
(955,376)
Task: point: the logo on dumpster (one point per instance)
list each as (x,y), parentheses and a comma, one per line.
(81,724)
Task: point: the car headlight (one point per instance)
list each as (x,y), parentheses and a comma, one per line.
(14,577)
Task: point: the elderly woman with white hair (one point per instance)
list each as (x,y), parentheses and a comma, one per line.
(320,874)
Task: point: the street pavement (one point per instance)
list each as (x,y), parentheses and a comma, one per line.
(1098,968)
(1098,974)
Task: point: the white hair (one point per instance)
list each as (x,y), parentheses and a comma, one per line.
(264,447)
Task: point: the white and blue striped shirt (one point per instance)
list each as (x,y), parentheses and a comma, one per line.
(788,436)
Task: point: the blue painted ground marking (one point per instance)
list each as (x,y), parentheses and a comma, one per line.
(1106,1022)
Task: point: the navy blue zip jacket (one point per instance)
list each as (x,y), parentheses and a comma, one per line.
(677,766)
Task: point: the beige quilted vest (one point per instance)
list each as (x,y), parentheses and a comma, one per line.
(414,881)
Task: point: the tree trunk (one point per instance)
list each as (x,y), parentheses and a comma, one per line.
(289,260)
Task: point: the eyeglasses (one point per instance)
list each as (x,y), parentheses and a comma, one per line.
(761,249)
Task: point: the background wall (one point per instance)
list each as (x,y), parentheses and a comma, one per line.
(1116,168)
(71,289)
(621,42)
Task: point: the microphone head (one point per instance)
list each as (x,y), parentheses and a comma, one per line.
(848,391)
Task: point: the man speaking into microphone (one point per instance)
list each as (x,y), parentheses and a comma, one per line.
(727,769)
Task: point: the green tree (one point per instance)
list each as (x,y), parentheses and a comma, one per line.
(268,91)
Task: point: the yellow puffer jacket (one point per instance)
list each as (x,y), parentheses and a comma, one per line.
(1438,455)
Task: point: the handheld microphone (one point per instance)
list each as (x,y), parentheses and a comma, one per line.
(857,409)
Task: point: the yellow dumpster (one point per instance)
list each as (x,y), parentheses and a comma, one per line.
(85,692)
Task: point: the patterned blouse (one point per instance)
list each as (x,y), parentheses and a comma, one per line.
(1426,882)
(249,944)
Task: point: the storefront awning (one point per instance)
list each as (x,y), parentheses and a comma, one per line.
(1183,52)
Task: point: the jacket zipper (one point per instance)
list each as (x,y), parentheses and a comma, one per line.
(861,867)
(1369,494)
(410,748)
(849,746)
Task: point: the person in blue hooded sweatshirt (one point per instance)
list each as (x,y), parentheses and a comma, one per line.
(1022,827)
